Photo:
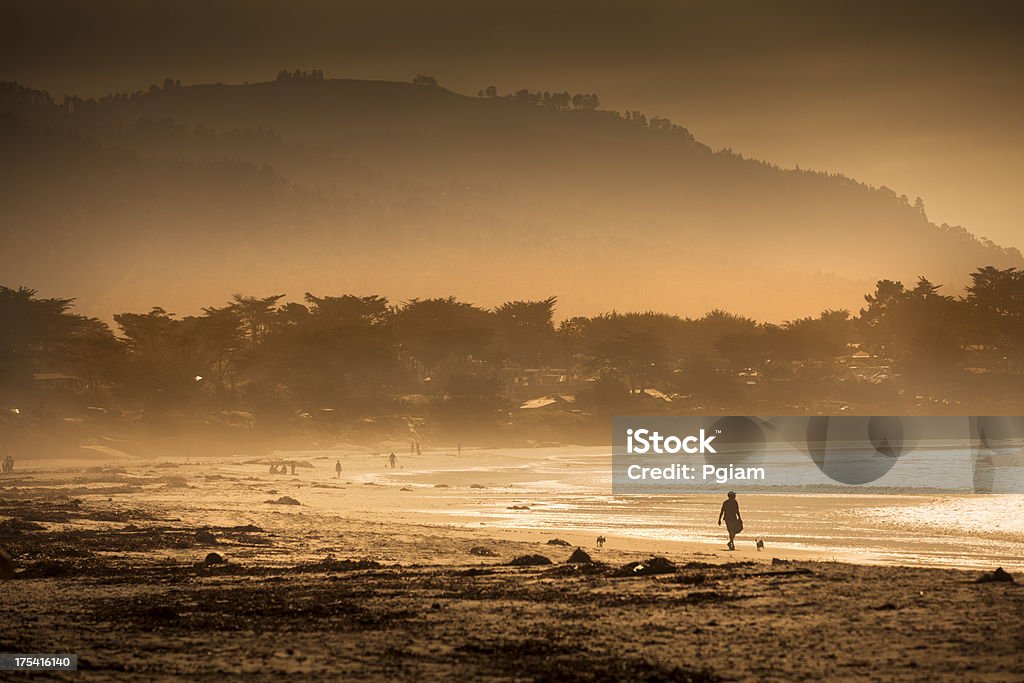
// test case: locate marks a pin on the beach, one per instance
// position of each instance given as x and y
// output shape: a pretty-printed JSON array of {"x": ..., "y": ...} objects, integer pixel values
[{"x": 406, "y": 572}]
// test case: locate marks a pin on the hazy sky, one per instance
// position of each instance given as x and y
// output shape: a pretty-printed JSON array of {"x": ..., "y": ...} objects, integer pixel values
[{"x": 925, "y": 97}]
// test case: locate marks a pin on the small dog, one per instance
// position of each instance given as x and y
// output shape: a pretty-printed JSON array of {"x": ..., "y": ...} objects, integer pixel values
[
  {"x": 601, "y": 541},
  {"x": 760, "y": 545}
]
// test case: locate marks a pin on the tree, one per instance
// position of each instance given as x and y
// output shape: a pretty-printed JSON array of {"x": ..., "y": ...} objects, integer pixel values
[
  {"x": 525, "y": 331},
  {"x": 41, "y": 335},
  {"x": 585, "y": 102},
  {"x": 434, "y": 331},
  {"x": 256, "y": 315}
]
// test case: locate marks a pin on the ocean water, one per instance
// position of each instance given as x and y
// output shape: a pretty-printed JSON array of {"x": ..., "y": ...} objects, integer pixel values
[{"x": 890, "y": 522}]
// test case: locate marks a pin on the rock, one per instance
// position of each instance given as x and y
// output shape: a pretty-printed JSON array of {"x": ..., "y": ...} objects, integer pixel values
[
  {"x": 6, "y": 566},
  {"x": 482, "y": 551},
  {"x": 204, "y": 536},
  {"x": 776, "y": 560},
  {"x": 579, "y": 556},
  {"x": 519, "y": 507},
  {"x": 558, "y": 541},
  {"x": 529, "y": 561},
  {"x": 214, "y": 558},
  {"x": 649, "y": 567},
  {"x": 284, "y": 500},
  {"x": 999, "y": 574}
]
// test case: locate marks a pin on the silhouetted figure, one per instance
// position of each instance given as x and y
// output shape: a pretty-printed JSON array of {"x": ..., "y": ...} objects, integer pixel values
[
  {"x": 601, "y": 540},
  {"x": 392, "y": 460},
  {"x": 760, "y": 545},
  {"x": 291, "y": 466},
  {"x": 418, "y": 451},
  {"x": 273, "y": 469},
  {"x": 733, "y": 522},
  {"x": 8, "y": 464},
  {"x": 337, "y": 469}
]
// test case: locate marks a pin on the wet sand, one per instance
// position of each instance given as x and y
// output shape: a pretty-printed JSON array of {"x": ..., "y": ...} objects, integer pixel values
[{"x": 365, "y": 579}]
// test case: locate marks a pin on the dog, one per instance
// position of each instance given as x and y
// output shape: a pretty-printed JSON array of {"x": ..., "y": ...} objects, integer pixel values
[
  {"x": 601, "y": 541},
  {"x": 760, "y": 545}
]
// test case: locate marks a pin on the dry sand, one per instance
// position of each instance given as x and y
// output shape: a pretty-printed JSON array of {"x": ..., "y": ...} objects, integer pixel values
[{"x": 366, "y": 580}]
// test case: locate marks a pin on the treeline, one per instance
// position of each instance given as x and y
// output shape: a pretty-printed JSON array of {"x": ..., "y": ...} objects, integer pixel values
[{"x": 363, "y": 356}]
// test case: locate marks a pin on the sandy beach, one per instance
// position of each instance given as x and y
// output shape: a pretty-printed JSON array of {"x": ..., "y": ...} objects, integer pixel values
[{"x": 405, "y": 573}]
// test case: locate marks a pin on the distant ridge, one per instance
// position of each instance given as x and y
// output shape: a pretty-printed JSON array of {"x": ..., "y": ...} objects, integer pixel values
[{"x": 396, "y": 187}]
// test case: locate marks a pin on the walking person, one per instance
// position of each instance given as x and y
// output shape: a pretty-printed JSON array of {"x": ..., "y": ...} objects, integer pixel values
[
  {"x": 337, "y": 469},
  {"x": 393, "y": 460},
  {"x": 733, "y": 522}
]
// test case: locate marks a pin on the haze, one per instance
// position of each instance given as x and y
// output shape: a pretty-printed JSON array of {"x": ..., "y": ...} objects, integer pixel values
[{"x": 923, "y": 97}]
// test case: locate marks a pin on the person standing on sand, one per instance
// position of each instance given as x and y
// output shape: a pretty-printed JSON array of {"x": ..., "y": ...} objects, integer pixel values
[
  {"x": 392, "y": 460},
  {"x": 337, "y": 469},
  {"x": 733, "y": 522}
]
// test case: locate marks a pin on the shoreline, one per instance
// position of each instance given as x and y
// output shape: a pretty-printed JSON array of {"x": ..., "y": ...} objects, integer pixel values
[
  {"x": 513, "y": 494},
  {"x": 126, "y": 582}
]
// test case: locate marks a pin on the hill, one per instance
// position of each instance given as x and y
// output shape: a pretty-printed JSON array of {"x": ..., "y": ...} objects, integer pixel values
[{"x": 399, "y": 188}]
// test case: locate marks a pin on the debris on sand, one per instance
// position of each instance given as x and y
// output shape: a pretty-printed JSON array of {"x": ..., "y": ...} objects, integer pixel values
[
  {"x": 15, "y": 525},
  {"x": 529, "y": 561},
  {"x": 649, "y": 567},
  {"x": 776, "y": 560},
  {"x": 441, "y": 486},
  {"x": 405, "y": 488},
  {"x": 6, "y": 566},
  {"x": 999, "y": 574},
  {"x": 519, "y": 507},
  {"x": 329, "y": 564},
  {"x": 477, "y": 486},
  {"x": 205, "y": 536},
  {"x": 284, "y": 500},
  {"x": 54, "y": 569},
  {"x": 558, "y": 541},
  {"x": 214, "y": 558},
  {"x": 579, "y": 556},
  {"x": 481, "y": 551}
]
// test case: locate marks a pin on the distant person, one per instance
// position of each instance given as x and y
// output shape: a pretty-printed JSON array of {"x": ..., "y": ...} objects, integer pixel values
[
  {"x": 337, "y": 469},
  {"x": 733, "y": 522},
  {"x": 418, "y": 451},
  {"x": 601, "y": 540},
  {"x": 8, "y": 464},
  {"x": 393, "y": 460},
  {"x": 291, "y": 466},
  {"x": 273, "y": 468}
]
